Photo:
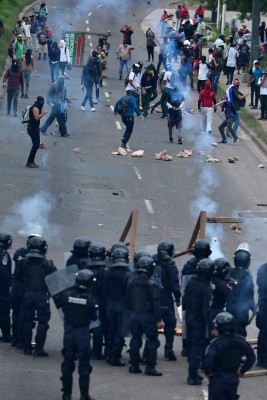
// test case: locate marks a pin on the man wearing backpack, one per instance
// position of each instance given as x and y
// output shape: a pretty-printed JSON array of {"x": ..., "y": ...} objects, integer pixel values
[
  {"x": 33, "y": 129},
  {"x": 238, "y": 100},
  {"x": 126, "y": 106}
]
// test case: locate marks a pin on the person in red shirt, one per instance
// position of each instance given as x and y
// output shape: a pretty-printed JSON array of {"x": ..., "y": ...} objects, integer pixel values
[
  {"x": 162, "y": 24},
  {"x": 184, "y": 12},
  {"x": 127, "y": 32},
  {"x": 13, "y": 79},
  {"x": 206, "y": 101},
  {"x": 200, "y": 11}
]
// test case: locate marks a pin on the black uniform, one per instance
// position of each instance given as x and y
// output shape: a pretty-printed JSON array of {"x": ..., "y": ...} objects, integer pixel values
[
  {"x": 80, "y": 260},
  {"x": 261, "y": 319},
  {"x": 5, "y": 283},
  {"x": 36, "y": 299},
  {"x": 221, "y": 292},
  {"x": 222, "y": 362},
  {"x": 79, "y": 310}
]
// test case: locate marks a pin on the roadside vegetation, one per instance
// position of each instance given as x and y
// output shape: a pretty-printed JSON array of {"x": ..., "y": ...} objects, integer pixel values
[{"x": 9, "y": 11}]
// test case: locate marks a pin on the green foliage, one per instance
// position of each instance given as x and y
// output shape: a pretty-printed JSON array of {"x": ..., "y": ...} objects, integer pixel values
[{"x": 9, "y": 11}]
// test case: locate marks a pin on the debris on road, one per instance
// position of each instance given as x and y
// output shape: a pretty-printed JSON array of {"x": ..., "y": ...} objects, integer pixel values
[
  {"x": 55, "y": 143},
  {"x": 236, "y": 228},
  {"x": 231, "y": 160},
  {"x": 122, "y": 151},
  {"x": 76, "y": 150},
  {"x": 201, "y": 153},
  {"x": 184, "y": 153},
  {"x": 138, "y": 153},
  {"x": 213, "y": 160},
  {"x": 214, "y": 144},
  {"x": 236, "y": 158},
  {"x": 166, "y": 157},
  {"x": 42, "y": 146},
  {"x": 261, "y": 166},
  {"x": 163, "y": 155}
]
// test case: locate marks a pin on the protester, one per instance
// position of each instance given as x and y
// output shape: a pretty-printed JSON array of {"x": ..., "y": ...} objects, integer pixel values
[
  {"x": 150, "y": 44},
  {"x": 27, "y": 66},
  {"x": 231, "y": 63},
  {"x": 184, "y": 12},
  {"x": 64, "y": 56},
  {"x": 243, "y": 58},
  {"x": 123, "y": 53},
  {"x": 178, "y": 16},
  {"x": 34, "y": 31},
  {"x": 90, "y": 76},
  {"x": 203, "y": 73},
  {"x": 163, "y": 18},
  {"x": 27, "y": 32},
  {"x": 127, "y": 32},
  {"x": 163, "y": 54},
  {"x": 230, "y": 114},
  {"x": 263, "y": 95},
  {"x": 237, "y": 99},
  {"x": 256, "y": 75},
  {"x": 18, "y": 48},
  {"x": 175, "y": 104},
  {"x": 206, "y": 102},
  {"x": 54, "y": 58},
  {"x": 13, "y": 79},
  {"x": 129, "y": 108},
  {"x": 59, "y": 102},
  {"x": 35, "y": 115},
  {"x": 148, "y": 82}
]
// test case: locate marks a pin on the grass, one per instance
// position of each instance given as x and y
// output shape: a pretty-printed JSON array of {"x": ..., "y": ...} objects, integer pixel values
[{"x": 9, "y": 11}]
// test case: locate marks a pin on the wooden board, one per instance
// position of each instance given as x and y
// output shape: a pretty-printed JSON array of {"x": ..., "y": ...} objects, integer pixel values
[
  {"x": 225, "y": 220},
  {"x": 251, "y": 374}
]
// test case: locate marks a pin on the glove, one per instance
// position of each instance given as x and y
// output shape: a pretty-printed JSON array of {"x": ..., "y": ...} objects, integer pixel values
[
  {"x": 215, "y": 109},
  {"x": 142, "y": 116}
]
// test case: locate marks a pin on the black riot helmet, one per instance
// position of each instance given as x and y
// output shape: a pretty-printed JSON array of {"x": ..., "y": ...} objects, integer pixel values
[
  {"x": 205, "y": 268},
  {"x": 5, "y": 240},
  {"x": 97, "y": 254},
  {"x": 117, "y": 244},
  {"x": 138, "y": 254},
  {"x": 225, "y": 321},
  {"x": 31, "y": 236},
  {"x": 146, "y": 265},
  {"x": 37, "y": 247},
  {"x": 81, "y": 245},
  {"x": 242, "y": 256},
  {"x": 120, "y": 257},
  {"x": 84, "y": 279},
  {"x": 165, "y": 250},
  {"x": 222, "y": 267},
  {"x": 201, "y": 248}
]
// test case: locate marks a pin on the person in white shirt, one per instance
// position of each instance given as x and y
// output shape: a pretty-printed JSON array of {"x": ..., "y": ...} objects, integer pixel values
[
  {"x": 263, "y": 94},
  {"x": 64, "y": 57},
  {"x": 231, "y": 63},
  {"x": 27, "y": 34},
  {"x": 134, "y": 80},
  {"x": 203, "y": 73}
]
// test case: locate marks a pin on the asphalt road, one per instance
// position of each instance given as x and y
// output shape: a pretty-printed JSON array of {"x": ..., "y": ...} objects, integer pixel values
[{"x": 92, "y": 193}]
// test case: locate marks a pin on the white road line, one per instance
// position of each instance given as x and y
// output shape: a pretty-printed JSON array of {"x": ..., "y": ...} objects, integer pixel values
[
  {"x": 88, "y": 30},
  {"x": 106, "y": 94},
  {"x": 100, "y": 5},
  {"x": 118, "y": 125},
  {"x": 89, "y": 37},
  {"x": 137, "y": 173},
  {"x": 91, "y": 44},
  {"x": 205, "y": 394},
  {"x": 90, "y": 13},
  {"x": 112, "y": 108},
  {"x": 87, "y": 21},
  {"x": 149, "y": 206},
  {"x": 104, "y": 83}
]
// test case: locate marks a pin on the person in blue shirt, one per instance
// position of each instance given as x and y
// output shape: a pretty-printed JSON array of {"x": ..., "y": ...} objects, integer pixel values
[
  {"x": 126, "y": 106},
  {"x": 256, "y": 75},
  {"x": 230, "y": 114}
]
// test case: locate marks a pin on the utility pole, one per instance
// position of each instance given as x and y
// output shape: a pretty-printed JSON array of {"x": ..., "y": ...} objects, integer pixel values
[
  {"x": 218, "y": 14},
  {"x": 223, "y": 17},
  {"x": 255, "y": 43}
]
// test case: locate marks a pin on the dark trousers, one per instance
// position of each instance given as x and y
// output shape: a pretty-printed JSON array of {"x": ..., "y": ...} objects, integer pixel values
[
  {"x": 17, "y": 296},
  {"x": 89, "y": 94},
  {"x": 200, "y": 85},
  {"x": 162, "y": 60},
  {"x": 62, "y": 67},
  {"x": 223, "y": 389},
  {"x": 12, "y": 95},
  {"x": 76, "y": 344},
  {"x": 150, "y": 53},
  {"x": 263, "y": 98},
  {"x": 115, "y": 340},
  {"x": 129, "y": 124},
  {"x": 230, "y": 74},
  {"x": 54, "y": 70},
  {"x": 168, "y": 316},
  {"x": 163, "y": 100},
  {"x": 35, "y": 302},
  {"x": 35, "y": 137},
  {"x": 5, "y": 318},
  {"x": 227, "y": 123},
  {"x": 60, "y": 117},
  {"x": 196, "y": 342},
  {"x": 252, "y": 92},
  {"x": 146, "y": 98}
]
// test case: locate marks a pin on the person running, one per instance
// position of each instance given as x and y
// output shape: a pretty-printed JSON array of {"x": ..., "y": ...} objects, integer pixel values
[
  {"x": 27, "y": 66},
  {"x": 206, "y": 101}
]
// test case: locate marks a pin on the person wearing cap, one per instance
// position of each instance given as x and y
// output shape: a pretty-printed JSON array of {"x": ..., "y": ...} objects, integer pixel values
[
  {"x": 13, "y": 79},
  {"x": 256, "y": 75},
  {"x": 251, "y": 83},
  {"x": 243, "y": 58},
  {"x": 263, "y": 95},
  {"x": 18, "y": 48},
  {"x": 36, "y": 113},
  {"x": 231, "y": 63},
  {"x": 245, "y": 29}
]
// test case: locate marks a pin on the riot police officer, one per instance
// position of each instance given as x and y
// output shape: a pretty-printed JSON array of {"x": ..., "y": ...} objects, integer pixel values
[
  {"x": 197, "y": 305},
  {"x": 261, "y": 319},
  {"x": 170, "y": 292},
  {"x": 34, "y": 269},
  {"x": 222, "y": 288},
  {"x": 241, "y": 299},
  {"x": 143, "y": 304},
  {"x": 80, "y": 252},
  {"x": 114, "y": 246},
  {"x": 201, "y": 249},
  {"x": 5, "y": 283},
  {"x": 96, "y": 264},
  {"x": 115, "y": 284},
  {"x": 224, "y": 361},
  {"x": 17, "y": 294},
  {"x": 79, "y": 310}
]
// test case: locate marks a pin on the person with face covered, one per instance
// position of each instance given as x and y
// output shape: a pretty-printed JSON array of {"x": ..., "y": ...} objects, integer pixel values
[
  {"x": 206, "y": 101},
  {"x": 36, "y": 113},
  {"x": 59, "y": 102},
  {"x": 90, "y": 77},
  {"x": 18, "y": 48},
  {"x": 13, "y": 79},
  {"x": 64, "y": 57},
  {"x": 148, "y": 82}
]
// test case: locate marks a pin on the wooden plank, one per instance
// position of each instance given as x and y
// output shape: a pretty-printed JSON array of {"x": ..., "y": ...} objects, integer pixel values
[
  {"x": 225, "y": 220},
  {"x": 195, "y": 233},
  {"x": 133, "y": 232},
  {"x": 126, "y": 229},
  {"x": 262, "y": 204},
  {"x": 252, "y": 341},
  {"x": 182, "y": 253},
  {"x": 251, "y": 374},
  {"x": 253, "y": 214},
  {"x": 202, "y": 225}
]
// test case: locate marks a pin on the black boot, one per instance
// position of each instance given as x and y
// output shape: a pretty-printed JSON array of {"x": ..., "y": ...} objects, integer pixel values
[
  {"x": 169, "y": 355},
  {"x": 39, "y": 58},
  {"x": 116, "y": 362},
  {"x": 84, "y": 381},
  {"x": 151, "y": 363},
  {"x": 134, "y": 360},
  {"x": 44, "y": 56},
  {"x": 66, "y": 386}
]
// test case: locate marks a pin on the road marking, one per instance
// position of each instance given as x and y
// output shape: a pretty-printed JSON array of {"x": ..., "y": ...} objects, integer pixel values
[
  {"x": 149, "y": 206},
  {"x": 205, "y": 394},
  {"x": 100, "y": 5},
  {"x": 91, "y": 44},
  {"x": 90, "y": 13},
  {"x": 104, "y": 83},
  {"x": 118, "y": 125},
  {"x": 137, "y": 173},
  {"x": 87, "y": 21},
  {"x": 106, "y": 94},
  {"x": 89, "y": 37},
  {"x": 112, "y": 108},
  {"x": 88, "y": 30}
]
